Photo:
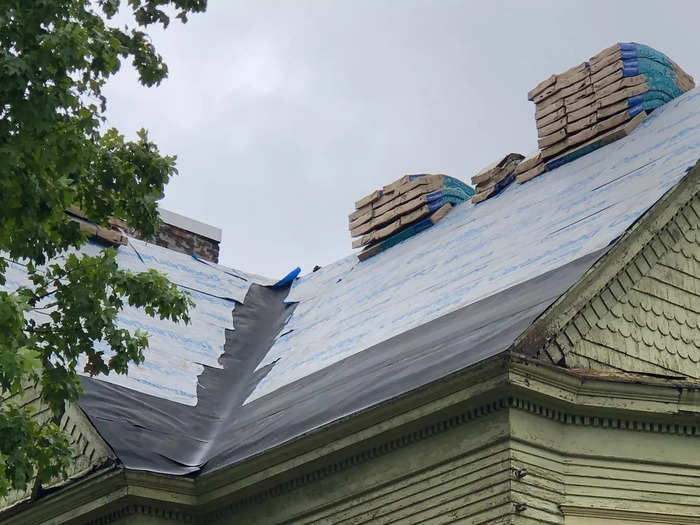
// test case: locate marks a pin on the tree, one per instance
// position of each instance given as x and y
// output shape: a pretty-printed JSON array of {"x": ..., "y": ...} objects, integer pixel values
[{"x": 55, "y": 57}]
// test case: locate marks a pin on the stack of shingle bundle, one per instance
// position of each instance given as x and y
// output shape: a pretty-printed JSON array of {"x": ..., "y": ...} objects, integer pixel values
[
  {"x": 529, "y": 168},
  {"x": 494, "y": 177},
  {"x": 599, "y": 101},
  {"x": 403, "y": 208},
  {"x": 554, "y": 98}
]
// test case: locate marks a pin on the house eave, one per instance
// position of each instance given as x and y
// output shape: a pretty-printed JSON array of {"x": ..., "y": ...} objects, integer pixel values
[
  {"x": 508, "y": 380},
  {"x": 663, "y": 399},
  {"x": 108, "y": 491},
  {"x": 607, "y": 391}
]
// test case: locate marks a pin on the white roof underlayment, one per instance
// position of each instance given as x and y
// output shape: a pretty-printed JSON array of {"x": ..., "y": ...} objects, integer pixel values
[
  {"x": 176, "y": 352},
  {"x": 478, "y": 250},
  {"x": 474, "y": 252}
]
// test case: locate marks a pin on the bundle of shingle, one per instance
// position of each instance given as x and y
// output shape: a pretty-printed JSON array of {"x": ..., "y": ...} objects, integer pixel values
[
  {"x": 403, "y": 208},
  {"x": 494, "y": 177},
  {"x": 599, "y": 101}
]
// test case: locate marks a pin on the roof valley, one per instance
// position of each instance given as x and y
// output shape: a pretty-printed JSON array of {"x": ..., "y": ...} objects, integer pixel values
[{"x": 257, "y": 322}]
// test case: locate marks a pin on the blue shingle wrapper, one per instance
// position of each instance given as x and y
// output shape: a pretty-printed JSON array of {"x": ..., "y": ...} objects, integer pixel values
[
  {"x": 658, "y": 70},
  {"x": 594, "y": 144},
  {"x": 502, "y": 184},
  {"x": 435, "y": 201},
  {"x": 452, "y": 191},
  {"x": 660, "y": 76},
  {"x": 448, "y": 182}
]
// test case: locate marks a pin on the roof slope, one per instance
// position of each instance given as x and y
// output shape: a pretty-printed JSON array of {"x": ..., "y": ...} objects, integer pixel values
[
  {"x": 363, "y": 333},
  {"x": 177, "y": 352},
  {"x": 477, "y": 251}
]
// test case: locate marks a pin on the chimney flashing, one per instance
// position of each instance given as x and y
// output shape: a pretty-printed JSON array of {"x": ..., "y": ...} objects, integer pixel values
[{"x": 190, "y": 225}]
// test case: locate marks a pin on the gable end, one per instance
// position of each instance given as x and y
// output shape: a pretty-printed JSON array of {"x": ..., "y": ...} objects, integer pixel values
[
  {"x": 653, "y": 326},
  {"x": 643, "y": 294}
]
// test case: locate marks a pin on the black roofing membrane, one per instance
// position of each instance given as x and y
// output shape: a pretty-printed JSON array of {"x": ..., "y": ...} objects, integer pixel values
[{"x": 158, "y": 435}]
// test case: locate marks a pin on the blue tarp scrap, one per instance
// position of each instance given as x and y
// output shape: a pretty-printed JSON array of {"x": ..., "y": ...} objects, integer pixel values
[
  {"x": 287, "y": 278},
  {"x": 404, "y": 234}
]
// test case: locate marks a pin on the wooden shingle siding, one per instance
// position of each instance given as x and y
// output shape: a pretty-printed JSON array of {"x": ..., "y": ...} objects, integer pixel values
[
  {"x": 89, "y": 450},
  {"x": 654, "y": 326},
  {"x": 28, "y": 397}
]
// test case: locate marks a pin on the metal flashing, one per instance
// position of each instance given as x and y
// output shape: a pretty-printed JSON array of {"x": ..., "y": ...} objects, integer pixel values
[{"x": 191, "y": 225}]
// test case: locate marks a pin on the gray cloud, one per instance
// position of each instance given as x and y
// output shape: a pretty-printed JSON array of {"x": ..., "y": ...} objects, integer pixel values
[{"x": 283, "y": 113}]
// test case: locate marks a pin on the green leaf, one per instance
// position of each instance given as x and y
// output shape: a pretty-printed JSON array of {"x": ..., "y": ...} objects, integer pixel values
[
  {"x": 55, "y": 58},
  {"x": 30, "y": 359}
]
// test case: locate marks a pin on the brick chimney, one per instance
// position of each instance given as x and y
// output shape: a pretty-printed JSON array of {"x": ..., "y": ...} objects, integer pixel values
[{"x": 186, "y": 235}]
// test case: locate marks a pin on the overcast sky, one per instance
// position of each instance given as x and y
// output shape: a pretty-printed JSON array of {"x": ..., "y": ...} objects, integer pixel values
[{"x": 283, "y": 113}]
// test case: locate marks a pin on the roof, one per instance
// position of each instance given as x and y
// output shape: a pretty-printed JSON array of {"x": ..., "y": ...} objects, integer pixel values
[
  {"x": 177, "y": 353},
  {"x": 477, "y": 251},
  {"x": 355, "y": 334},
  {"x": 156, "y": 434}
]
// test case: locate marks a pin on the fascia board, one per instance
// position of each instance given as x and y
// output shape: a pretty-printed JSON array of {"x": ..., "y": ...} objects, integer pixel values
[
  {"x": 631, "y": 393},
  {"x": 103, "y": 491},
  {"x": 71, "y": 502}
]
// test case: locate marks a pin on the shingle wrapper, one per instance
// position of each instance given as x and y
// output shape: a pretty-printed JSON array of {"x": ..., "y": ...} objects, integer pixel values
[
  {"x": 491, "y": 180},
  {"x": 402, "y": 209},
  {"x": 598, "y": 102}
]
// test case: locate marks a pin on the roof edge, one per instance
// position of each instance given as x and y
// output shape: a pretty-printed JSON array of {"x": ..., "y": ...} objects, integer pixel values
[{"x": 499, "y": 378}]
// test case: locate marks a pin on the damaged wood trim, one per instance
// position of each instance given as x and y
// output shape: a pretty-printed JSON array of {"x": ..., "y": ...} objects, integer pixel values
[{"x": 112, "y": 236}]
